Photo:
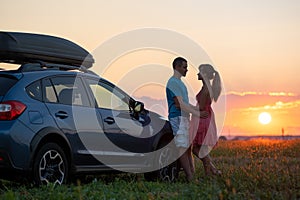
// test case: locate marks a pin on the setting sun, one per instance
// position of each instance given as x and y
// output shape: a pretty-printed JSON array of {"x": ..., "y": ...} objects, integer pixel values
[{"x": 264, "y": 118}]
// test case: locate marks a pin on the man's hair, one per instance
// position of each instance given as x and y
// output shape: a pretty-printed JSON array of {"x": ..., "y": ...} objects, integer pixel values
[{"x": 178, "y": 61}]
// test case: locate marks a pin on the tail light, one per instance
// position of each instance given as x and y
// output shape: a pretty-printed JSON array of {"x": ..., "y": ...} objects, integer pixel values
[{"x": 10, "y": 110}]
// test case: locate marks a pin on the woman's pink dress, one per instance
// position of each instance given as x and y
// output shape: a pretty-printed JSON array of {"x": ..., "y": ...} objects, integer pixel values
[{"x": 203, "y": 131}]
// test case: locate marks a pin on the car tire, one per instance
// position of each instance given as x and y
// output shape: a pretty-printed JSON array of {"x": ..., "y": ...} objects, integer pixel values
[
  {"x": 167, "y": 173},
  {"x": 50, "y": 165}
]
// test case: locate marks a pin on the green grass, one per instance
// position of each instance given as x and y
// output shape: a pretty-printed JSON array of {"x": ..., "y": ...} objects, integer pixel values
[{"x": 255, "y": 169}]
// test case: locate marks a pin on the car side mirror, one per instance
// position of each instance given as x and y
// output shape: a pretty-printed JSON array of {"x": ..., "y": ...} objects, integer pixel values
[{"x": 138, "y": 107}]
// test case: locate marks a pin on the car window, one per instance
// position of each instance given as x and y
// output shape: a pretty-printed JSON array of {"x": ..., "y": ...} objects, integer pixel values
[
  {"x": 66, "y": 90},
  {"x": 108, "y": 97},
  {"x": 50, "y": 94},
  {"x": 34, "y": 90}
]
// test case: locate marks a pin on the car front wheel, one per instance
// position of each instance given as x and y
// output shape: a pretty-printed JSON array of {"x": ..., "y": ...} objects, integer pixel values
[
  {"x": 50, "y": 165},
  {"x": 168, "y": 168}
]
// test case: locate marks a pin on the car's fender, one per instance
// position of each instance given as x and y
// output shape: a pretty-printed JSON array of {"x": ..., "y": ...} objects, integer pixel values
[
  {"x": 42, "y": 137},
  {"x": 165, "y": 134}
]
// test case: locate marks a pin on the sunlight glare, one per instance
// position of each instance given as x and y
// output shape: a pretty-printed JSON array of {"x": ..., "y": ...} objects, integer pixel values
[{"x": 264, "y": 118}]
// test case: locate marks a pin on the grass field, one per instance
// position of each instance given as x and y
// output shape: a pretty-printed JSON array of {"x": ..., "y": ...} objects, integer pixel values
[{"x": 255, "y": 169}]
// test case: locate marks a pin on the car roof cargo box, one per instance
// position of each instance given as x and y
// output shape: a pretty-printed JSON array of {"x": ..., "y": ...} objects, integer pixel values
[{"x": 16, "y": 47}]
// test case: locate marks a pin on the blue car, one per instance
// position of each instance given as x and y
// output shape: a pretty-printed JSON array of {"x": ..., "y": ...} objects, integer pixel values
[{"x": 59, "y": 119}]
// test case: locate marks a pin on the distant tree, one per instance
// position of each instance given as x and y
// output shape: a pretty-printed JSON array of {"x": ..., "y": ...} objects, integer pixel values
[{"x": 222, "y": 138}]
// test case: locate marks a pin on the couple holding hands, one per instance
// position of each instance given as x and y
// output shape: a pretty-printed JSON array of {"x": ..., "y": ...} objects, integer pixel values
[{"x": 198, "y": 135}]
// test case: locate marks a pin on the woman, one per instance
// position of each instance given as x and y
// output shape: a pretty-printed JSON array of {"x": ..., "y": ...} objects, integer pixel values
[{"x": 203, "y": 131}]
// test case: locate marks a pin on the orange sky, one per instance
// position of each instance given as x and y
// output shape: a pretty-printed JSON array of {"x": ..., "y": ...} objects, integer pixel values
[
  {"x": 243, "y": 111},
  {"x": 253, "y": 44}
]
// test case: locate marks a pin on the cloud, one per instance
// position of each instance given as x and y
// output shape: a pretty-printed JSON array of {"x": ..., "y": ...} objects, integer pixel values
[
  {"x": 266, "y": 100},
  {"x": 277, "y": 106},
  {"x": 242, "y": 110},
  {"x": 242, "y": 101},
  {"x": 289, "y": 94}
]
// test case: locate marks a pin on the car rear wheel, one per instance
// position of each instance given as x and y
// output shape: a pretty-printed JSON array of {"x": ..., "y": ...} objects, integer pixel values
[{"x": 50, "y": 165}]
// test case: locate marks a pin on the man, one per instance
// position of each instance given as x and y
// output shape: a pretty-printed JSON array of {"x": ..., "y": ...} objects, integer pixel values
[{"x": 179, "y": 110}]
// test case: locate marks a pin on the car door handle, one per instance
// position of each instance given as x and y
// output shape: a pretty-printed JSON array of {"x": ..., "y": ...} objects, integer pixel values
[
  {"x": 61, "y": 114},
  {"x": 109, "y": 120}
]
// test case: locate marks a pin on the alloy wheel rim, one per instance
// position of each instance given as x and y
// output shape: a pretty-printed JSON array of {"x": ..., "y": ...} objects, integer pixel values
[
  {"x": 52, "y": 168},
  {"x": 166, "y": 172}
]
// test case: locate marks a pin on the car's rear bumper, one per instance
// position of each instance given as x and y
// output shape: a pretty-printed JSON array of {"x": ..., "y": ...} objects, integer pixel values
[
  {"x": 14, "y": 145},
  {"x": 5, "y": 161}
]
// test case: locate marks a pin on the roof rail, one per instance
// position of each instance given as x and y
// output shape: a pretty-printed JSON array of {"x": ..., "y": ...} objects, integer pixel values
[{"x": 40, "y": 65}]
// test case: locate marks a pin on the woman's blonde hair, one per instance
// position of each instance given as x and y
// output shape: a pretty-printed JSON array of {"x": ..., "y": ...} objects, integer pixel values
[{"x": 214, "y": 88}]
